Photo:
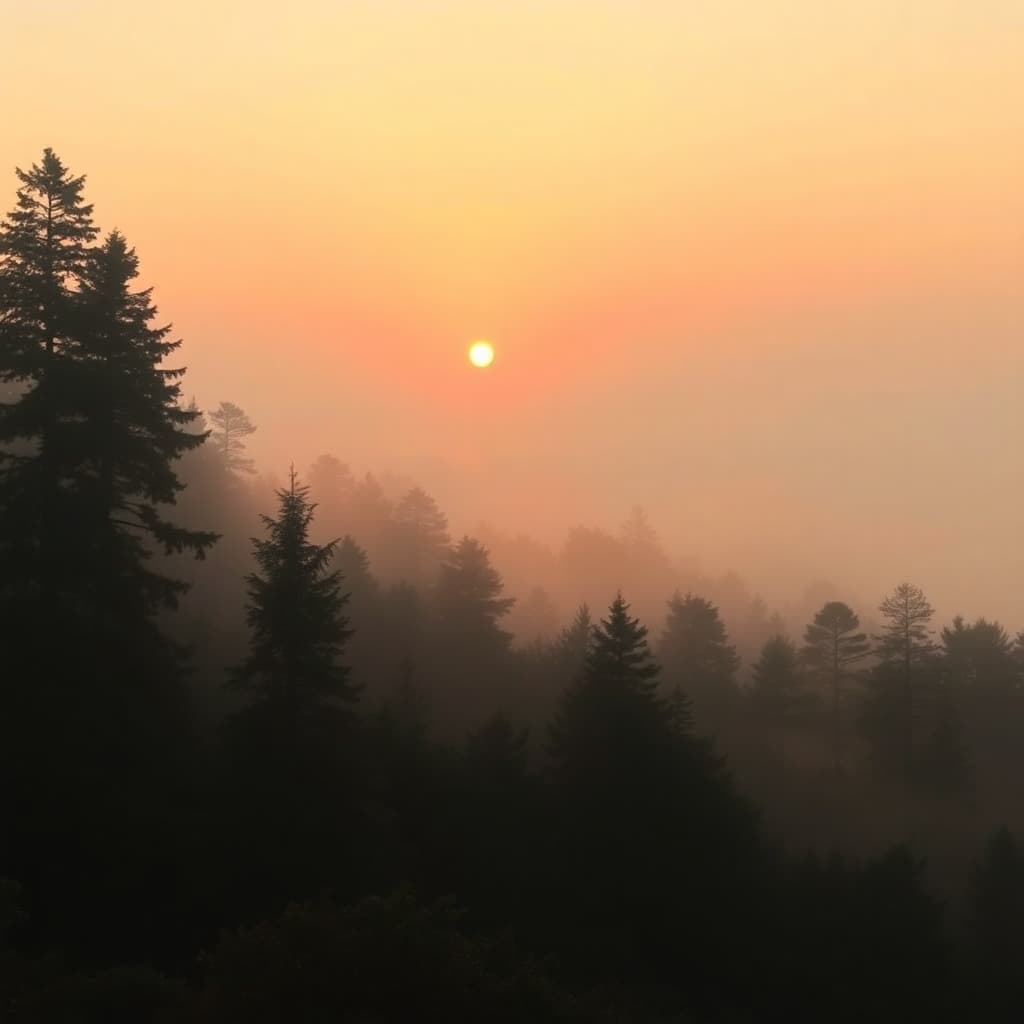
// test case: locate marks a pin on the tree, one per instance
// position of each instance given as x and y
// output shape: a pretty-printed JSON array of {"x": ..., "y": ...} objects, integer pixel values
[
  {"x": 572, "y": 645},
  {"x": 231, "y": 426},
  {"x": 698, "y": 657},
  {"x": 647, "y": 570},
  {"x": 778, "y": 690},
  {"x": 996, "y": 916},
  {"x": 832, "y": 645},
  {"x": 904, "y": 648},
  {"x": 979, "y": 657},
  {"x": 421, "y": 530},
  {"x": 331, "y": 483},
  {"x": 132, "y": 431},
  {"x": 296, "y": 617},
  {"x": 370, "y": 515},
  {"x": 469, "y": 601},
  {"x": 613, "y": 702},
  {"x": 44, "y": 244},
  {"x": 980, "y": 687},
  {"x": 467, "y": 650},
  {"x": 648, "y": 823}
]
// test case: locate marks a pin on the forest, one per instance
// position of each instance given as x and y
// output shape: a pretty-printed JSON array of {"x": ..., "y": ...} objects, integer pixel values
[{"x": 277, "y": 746}]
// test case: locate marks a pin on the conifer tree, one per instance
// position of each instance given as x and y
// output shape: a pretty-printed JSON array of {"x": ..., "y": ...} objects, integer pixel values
[
  {"x": 296, "y": 617},
  {"x": 231, "y": 426},
  {"x": 132, "y": 431},
  {"x": 978, "y": 657},
  {"x": 832, "y": 645},
  {"x": 572, "y": 645},
  {"x": 331, "y": 484},
  {"x": 470, "y": 603},
  {"x": 44, "y": 243},
  {"x": 698, "y": 657},
  {"x": 422, "y": 537},
  {"x": 645, "y": 808},
  {"x": 778, "y": 692},
  {"x": 904, "y": 648},
  {"x": 614, "y": 702}
]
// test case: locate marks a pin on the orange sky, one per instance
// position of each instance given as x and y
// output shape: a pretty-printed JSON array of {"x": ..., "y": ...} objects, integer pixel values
[{"x": 758, "y": 266}]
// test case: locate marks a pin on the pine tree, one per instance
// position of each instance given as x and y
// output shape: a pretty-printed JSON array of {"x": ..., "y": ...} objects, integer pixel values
[
  {"x": 572, "y": 645},
  {"x": 421, "y": 534},
  {"x": 698, "y": 657},
  {"x": 370, "y": 521},
  {"x": 904, "y": 648},
  {"x": 231, "y": 426},
  {"x": 132, "y": 431},
  {"x": 778, "y": 690},
  {"x": 296, "y": 618},
  {"x": 832, "y": 645},
  {"x": 331, "y": 483},
  {"x": 644, "y": 808},
  {"x": 44, "y": 243},
  {"x": 979, "y": 657},
  {"x": 614, "y": 703},
  {"x": 469, "y": 601}
]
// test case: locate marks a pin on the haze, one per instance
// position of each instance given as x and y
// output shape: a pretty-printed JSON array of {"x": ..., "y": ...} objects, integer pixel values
[{"x": 755, "y": 267}]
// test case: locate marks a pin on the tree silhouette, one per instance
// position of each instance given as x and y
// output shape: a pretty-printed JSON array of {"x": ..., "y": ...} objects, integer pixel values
[
  {"x": 979, "y": 657},
  {"x": 644, "y": 812},
  {"x": 132, "y": 431},
  {"x": 296, "y": 617},
  {"x": 616, "y": 692},
  {"x": 469, "y": 600},
  {"x": 778, "y": 692},
  {"x": 698, "y": 657},
  {"x": 231, "y": 426},
  {"x": 331, "y": 483},
  {"x": 903, "y": 648},
  {"x": 832, "y": 645},
  {"x": 44, "y": 243},
  {"x": 421, "y": 534},
  {"x": 572, "y": 645}
]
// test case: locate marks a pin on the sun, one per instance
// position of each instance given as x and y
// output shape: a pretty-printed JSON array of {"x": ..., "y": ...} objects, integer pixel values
[{"x": 481, "y": 354}]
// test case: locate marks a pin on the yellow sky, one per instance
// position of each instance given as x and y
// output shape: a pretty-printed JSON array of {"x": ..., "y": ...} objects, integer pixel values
[{"x": 732, "y": 224}]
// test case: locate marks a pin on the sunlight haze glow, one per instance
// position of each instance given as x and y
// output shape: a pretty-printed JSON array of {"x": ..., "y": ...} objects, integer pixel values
[{"x": 763, "y": 263}]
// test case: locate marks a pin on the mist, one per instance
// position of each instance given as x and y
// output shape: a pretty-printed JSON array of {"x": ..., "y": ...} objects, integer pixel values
[{"x": 667, "y": 666}]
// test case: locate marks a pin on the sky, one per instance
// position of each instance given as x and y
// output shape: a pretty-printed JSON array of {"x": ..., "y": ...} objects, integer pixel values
[{"x": 756, "y": 266}]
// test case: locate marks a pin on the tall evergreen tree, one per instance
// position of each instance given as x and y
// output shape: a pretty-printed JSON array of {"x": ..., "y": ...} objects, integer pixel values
[
  {"x": 778, "y": 692},
  {"x": 296, "y": 617},
  {"x": 698, "y": 657},
  {"x": 132, "y": 431},
  {"x": 572, "y": 645},
  {"x": 645, "y": 810},
  {"x": 613, "y": 702},
  {"x": 44, "y": 243},
  {"x": 832, "y": 645},
  {"x": 979, "y": 657},
  {"x": 904, "y": 648},
  {"x": 421, "y": 535},
  {"x": 231, "y": 426},
  {"x": 331, "y": 483},
  {"x": 470, "y": 601}
]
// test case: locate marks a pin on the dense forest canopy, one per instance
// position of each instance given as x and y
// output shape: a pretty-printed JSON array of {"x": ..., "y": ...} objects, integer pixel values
[{"x": 287, "y": 746}]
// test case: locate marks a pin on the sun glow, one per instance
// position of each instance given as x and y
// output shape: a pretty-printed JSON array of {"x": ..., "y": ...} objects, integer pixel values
[{"x": 481, "y": 354}]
